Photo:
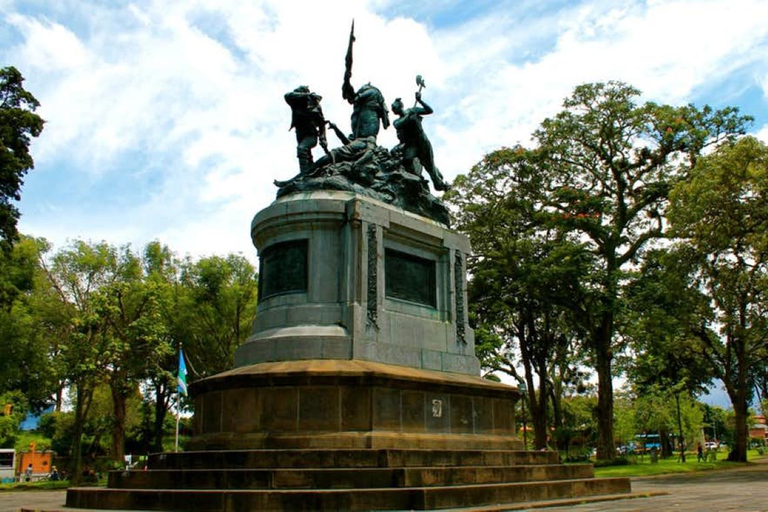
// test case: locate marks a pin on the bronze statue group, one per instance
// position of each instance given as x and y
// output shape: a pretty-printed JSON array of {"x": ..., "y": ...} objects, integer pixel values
[{"x": 363, "y": 161}]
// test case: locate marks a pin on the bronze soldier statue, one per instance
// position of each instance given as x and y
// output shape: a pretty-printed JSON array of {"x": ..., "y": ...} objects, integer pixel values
[
  {"x": 368, "y": 105},
  {"x": 307, "y": 118},
  {"x": 414, "y": 143}
]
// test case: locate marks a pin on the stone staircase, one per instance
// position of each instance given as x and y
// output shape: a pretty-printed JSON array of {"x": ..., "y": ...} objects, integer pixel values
[{"x": 344, "y": 480}]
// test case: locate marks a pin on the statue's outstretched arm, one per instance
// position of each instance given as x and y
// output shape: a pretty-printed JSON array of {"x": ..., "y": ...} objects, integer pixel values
[{"x": 426, "y": 109}]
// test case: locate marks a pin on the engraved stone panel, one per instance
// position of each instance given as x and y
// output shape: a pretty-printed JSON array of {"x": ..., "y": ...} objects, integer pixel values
[
  {"x": 283, "y": 268},
  {"x": 411, "y": 278}
]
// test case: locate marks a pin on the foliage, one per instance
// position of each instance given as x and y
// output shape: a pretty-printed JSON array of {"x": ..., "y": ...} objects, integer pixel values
[
  {"x": 523, "y": 275},
  {"x": 25, "y": 438},
  {"x": 9, "y": 423},
  {"x": 24, "y": 346},
  {"x": 58, "y": 427},
  {"x": 219, "y": 306},
  {"x": 721, "y": 217},
  {"x": 18, "y": 123},
  {"x": 615, "y": 162},
  {"x": 601, "y": 173},
  {"x": 577, "y": 432}
]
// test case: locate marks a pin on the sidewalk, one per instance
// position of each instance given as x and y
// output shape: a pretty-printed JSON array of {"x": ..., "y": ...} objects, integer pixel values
[{"x": 743, "y": 489}]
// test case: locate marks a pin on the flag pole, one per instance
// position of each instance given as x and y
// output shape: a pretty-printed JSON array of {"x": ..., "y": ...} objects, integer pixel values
[
  {"x": 181, "y": 387},
  {"x": 178, "y": 418}
]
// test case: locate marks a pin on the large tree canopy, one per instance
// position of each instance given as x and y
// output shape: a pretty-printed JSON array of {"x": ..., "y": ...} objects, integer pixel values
[
  {"x": 610, "y": 163},
  {"x": 18, "y": 123},
  {"x": 524, "y": 273},
  {"x": 721, "y": 215}
]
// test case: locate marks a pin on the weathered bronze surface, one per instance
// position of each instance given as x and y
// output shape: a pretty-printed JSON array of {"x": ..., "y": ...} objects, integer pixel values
[
  {"x": 408, "y": 277},
  {"x": 283, "y": 268},
  {"x": 360, "y": 165}
]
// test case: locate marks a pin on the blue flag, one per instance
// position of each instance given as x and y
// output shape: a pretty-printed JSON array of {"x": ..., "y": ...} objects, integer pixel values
[{"x": 182, "y": 379}]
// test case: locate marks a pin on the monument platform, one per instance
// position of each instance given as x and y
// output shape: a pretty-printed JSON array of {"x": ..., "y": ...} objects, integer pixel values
[
  {"x": 358, "y": 389},
  {"x": 344, "y": 480}
]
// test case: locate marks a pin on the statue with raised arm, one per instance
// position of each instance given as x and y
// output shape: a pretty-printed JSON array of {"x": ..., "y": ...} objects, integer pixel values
[
  {"x": 308, "y": 121},
  {"x": 368, "y": 105},
  {"x": 414, "y": 143},
  {"x": 360, "y": 165}
]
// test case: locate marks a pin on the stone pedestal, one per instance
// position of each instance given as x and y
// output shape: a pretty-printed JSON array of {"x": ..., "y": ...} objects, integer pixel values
[{"x": 347, "y": 277}]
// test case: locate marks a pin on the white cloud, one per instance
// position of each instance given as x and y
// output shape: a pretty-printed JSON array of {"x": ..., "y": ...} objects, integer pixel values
[{"x": 186, "y": 97}]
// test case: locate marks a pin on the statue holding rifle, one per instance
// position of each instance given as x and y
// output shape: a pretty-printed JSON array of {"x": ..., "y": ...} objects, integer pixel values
[{"x": 368, "y": 103}]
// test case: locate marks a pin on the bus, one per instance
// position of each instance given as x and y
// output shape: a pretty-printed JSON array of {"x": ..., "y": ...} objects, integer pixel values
[
  {"x": 7, "y": 465},
  {"x": 647, "y": 442}
]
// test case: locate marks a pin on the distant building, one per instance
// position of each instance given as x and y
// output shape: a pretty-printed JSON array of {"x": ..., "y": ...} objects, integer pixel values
[{"x": 759, "y": 430}]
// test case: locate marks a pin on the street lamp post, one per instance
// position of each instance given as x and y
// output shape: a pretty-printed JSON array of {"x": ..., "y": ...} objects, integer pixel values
[{"x": 523, "y": 389}]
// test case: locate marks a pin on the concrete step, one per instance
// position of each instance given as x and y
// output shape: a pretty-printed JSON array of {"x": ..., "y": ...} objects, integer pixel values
[
  {"x": 409, "y": 498},
  {"x": 350, "y": 478},
  {"x": 345, "y": 458}
]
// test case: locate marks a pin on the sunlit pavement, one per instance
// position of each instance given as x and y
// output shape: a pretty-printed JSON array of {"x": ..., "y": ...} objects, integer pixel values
[{"x": 744, "y": 489}]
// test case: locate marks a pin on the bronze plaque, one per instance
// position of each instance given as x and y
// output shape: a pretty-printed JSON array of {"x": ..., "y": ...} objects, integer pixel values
[
  {"x": 283, "y": 268},
  {"x": 411, "y": 278}
]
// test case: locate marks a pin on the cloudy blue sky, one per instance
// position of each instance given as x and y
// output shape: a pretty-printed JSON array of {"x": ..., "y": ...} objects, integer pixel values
[{"x": 165, "y": 118}]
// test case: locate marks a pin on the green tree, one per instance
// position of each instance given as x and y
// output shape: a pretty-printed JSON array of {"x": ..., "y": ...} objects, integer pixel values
[
  {"x": 136, "y": 340},
  {"x": 613, "y": 162},
  {"x": 219, "y": 308},
  {"x": 579, "y": 426},
  {"x": 18, "y": 123},
  {"x": 25, "y": 350},
  {"x": 163, "y": 270},
  {"x": 13, "y": 409},
  {"x": 80, "y": 274},
  {"x": 721, "y": 217},
  {"x": 523, "y": 275},
  {"x": 662, "y": 317},
  {"x": 608, "y": 164}
]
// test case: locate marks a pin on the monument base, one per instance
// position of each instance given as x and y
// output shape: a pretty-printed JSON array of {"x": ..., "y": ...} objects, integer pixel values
[
  {"x": 347, "y": 435},
  {"x": 358, "y": 388},
  {"x": 351, "y": 404}
]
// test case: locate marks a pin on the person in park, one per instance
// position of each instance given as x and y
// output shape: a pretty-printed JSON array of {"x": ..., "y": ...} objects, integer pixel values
[
  {"x": 414, "y": 143},
  {"x": 308, "y": 121}
]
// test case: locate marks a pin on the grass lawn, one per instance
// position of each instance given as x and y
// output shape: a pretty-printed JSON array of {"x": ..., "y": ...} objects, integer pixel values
[
  {"x": 35, "y": 486},
  {"x": 644, "y": 467}
]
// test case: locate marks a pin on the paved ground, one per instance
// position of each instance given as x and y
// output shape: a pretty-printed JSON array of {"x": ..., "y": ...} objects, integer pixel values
[
  {"x": 13, "y": 501},
  {"x": 743, "y": 490}
]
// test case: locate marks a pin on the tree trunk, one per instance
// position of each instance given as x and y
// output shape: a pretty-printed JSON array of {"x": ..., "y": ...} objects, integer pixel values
[
  {"x": 82, "y": 404},
  {"x": 161, "y": 403},
  {"x": 118, "y": 426},
  {"x": 555, "y": 394},
  {"x": 606, "y": 447},
  {"x": 666, "y": 443},
  {"x": 681, "y": 441},
  {"x": 738, "y": 451},
  {"x": 740, "y": 392},
  {"x": 538, "y": 418}
]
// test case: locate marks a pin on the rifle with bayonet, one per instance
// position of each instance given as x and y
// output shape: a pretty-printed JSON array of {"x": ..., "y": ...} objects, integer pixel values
[{"x": 347, "y": 91}]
